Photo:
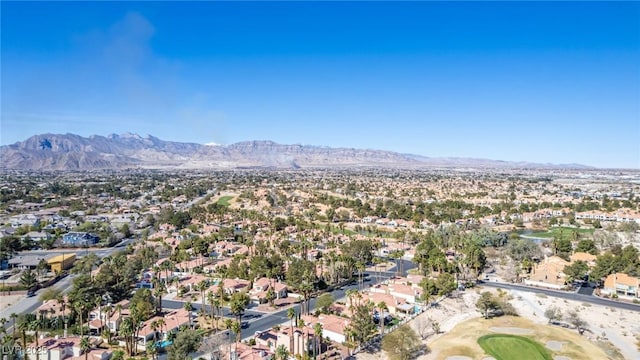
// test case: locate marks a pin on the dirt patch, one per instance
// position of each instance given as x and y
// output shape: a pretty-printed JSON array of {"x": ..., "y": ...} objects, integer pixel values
[
  {"x": 511, "y": 330},
  {"x": 8, "y": 300},
  {"x": 555, "y": 345},
  {"x": 605, "y": 324}
]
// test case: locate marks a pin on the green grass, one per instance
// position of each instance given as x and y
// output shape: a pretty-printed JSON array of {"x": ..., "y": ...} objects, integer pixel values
[
  {"x": 345, "y": 231},
  {"x": 224, "y": 200},
  {"x": 562, "y": 233},
  {"x": 511, "y": 347}
]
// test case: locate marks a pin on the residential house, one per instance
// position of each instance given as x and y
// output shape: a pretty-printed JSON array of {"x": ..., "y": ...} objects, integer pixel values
[
  {"x": 333, "y": 327},
  {"x": 36, "y": 236},
  {"x": 232, "y": 286},
  {"x": 261, "y": 286},
  {"x": 30, "y": 220},
  {"x": 243, "y": 351},
  {"x": 66, "y": 348},
  {"x": 80, "y": 239},
  {"x": 25, "y": 260},
  {"x": 52, "y": 308},
  {"x": 116, "y": 313},
  {"x": 175, "y": 319},
  {"x": 548, "y": 273},
  {"x": 583, "y": 256},
  {"x": 621, "y": 284},
  {"x": 302, "y": 339},
  {"x": 395, "y": 305}
]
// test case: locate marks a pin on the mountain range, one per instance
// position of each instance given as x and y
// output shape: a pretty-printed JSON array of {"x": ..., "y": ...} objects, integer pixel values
[{"x": 74, "y": 152}]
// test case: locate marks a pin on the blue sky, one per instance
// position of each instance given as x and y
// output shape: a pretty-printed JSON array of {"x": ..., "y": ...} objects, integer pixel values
[{"x": 536, "y": 81}]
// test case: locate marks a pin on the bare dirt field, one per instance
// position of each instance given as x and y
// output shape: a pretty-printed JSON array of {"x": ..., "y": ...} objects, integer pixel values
[{"x": 8, "y": 300}]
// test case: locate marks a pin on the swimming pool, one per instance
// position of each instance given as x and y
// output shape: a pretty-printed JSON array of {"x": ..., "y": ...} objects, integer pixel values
[{"x": 164, "y": 343}]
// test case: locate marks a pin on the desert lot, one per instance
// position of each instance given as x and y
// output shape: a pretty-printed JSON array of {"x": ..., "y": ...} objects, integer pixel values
[
  {"x": 610, "y": 332},
  {"x": 462, "y": 341}
]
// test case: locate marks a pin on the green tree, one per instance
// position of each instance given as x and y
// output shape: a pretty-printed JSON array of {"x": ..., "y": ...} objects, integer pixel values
[
  {"x": 291, "y": 314},
  {"x": 189, "y": 308},
  {"x": 486, "y": 304},
  {"x": 50, "y": 293},
  {"x": 317, "y": 332},
  {"x": 270, "y": 295},
  {"x": 28, "y": 279},
  {"x": 323, "y": 302},
  {"x": 561, "y": 245},
  {"x": 445, "y": 284},
  {"x": 185, "y": 343},
  {"x": 360, "y": 250},
  {"x": 587, "y": 246},
  {"x": 282, "y": 353},
  {"x": 553, "y": 313},
  {"x": 576, "y": 270},
  {"x": 520, "y": 249},
  {"x": 236, "y": 327},
  {"x": 85, "y": 346},
  {"x": 401, "y": 344},
  {"x": 361, "y": 328},
  {"x": 238, "y": 304}
]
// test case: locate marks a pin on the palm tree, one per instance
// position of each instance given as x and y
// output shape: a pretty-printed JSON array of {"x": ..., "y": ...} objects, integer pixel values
[
  {"x": 317, "y": 331},
  {"x": 187, "y": 306},
  {"x": 98, "y": 303},
  {"x": 350, "y": 293},
  {"x": 236, "y": 327},
  {"x": 152, "y": 349},
  {"x": 382, "y": 307},
  {"x": 154, "y": 326},
  {"x": 108, "y": 334},
  {"x": 161, "y": 324},
  {"x": 282, "y": 353},
  {"x": 85, "y": 346},
  {"x": 34, "y": 326},
  {"x": 14, "y": 317},
  {"x": 158, "y": 291},
  {"x": 291, "y": 314},
  {"x": 238, "y": 304},
  {"x": 211, "y": 300},
  {"x": 79, "y": 308},
  {"x": 23, "y": 326},
  {"x": 126, "y": 331},
  {"x": 202, "y": 286},
  {"x": 301, "y": 346}
]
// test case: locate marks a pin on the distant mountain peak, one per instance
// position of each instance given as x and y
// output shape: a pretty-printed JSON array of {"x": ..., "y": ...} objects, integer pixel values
[
  {"x": 74, "y": 152},
  {"x": 128, "y": 135}
]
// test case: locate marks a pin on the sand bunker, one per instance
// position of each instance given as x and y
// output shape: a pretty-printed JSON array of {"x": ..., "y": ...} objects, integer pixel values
[
  {"x": 561, "y": 358},
  {"x": 489, "y": 358},
  {"x": 511, "y": 330},
  {"x": 458, "y": 357},
  {"x": 555, "y": 345}
]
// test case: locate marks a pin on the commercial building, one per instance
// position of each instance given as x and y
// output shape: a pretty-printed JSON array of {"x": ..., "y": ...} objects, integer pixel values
[{"x": 61, "y": 262}]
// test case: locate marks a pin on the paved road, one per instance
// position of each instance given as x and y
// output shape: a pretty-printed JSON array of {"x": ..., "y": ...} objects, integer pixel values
[
  {"x": 100, "y": 252},
  {"x": 30, "y": 304},
  {"x": 260, "y": 321},
  {"x": 566, "y": 295}
]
